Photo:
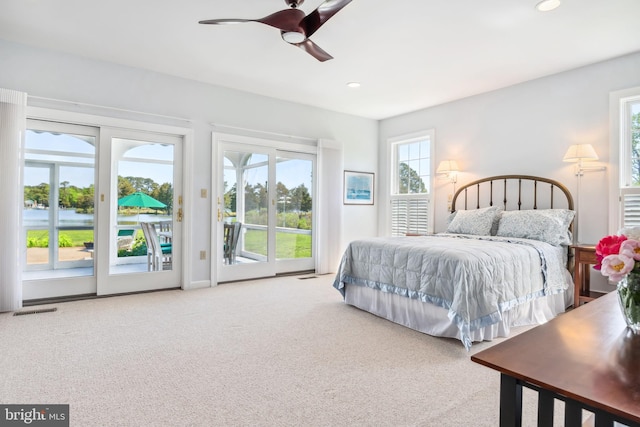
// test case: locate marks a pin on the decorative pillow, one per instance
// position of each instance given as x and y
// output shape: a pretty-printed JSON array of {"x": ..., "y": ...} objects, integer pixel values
[
  {"x": 476, "y": 221},
  {"x": 546, "y": 225}
]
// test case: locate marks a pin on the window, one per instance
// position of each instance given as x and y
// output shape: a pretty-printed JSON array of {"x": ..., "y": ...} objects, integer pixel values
[
  {"x": 630, "y": 161},
  {"x": 411, "y": 184}
]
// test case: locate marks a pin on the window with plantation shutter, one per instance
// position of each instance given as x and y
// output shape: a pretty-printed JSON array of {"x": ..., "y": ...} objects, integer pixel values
[
  {"x": 630, "y": 161},
  {"x": 631, "y": 205},
  {"x": 409, "y": 216},
  {"x": 410, "y": 197}
]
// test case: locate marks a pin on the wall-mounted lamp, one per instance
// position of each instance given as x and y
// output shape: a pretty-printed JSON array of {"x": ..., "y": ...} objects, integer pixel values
[
  {"x": 450, "y": 169},
  {"x": 581, "y": 153}
]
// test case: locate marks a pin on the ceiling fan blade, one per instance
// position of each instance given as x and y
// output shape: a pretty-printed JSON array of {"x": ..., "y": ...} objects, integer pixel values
[
  {"x": 286, "y": 20},
  {"x": 314, "y": 50},
  {"x": 224, "y": 21},
  {"x": 318, "y": 17}
]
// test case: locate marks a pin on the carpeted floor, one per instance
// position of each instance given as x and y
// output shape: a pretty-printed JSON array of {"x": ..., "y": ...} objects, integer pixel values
[{"x": 274, "y": 352}]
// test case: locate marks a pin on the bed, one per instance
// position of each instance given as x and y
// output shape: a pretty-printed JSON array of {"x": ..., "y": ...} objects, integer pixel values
[{"x": 503, "y": 261}]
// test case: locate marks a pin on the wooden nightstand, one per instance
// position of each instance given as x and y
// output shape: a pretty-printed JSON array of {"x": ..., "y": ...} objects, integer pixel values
[{"x": 584, "y": 256}]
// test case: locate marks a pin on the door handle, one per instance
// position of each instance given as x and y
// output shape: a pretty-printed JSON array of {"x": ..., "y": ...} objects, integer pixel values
[
  {"x": 179, "y": 214},
  {"x": 219, "y": 215}
]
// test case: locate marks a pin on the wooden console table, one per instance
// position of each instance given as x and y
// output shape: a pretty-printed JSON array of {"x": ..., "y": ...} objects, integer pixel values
[{"x": 585, "y": 357}]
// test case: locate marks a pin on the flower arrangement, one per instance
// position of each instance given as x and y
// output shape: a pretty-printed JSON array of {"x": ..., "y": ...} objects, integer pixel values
[
  {"x": 618, "y": 259},
  {"x": 616, "y": 256}
]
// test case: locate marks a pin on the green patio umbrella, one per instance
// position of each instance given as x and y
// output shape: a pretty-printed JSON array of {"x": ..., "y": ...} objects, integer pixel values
[{"x": 140, "y": 200}]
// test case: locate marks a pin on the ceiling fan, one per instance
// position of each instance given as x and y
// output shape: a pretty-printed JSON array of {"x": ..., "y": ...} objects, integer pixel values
[{"x": 296, "y": 27}]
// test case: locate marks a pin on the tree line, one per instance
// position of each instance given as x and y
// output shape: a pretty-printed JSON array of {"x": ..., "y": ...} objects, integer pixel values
[
  {"x": 296, "y": 199},
  {"x": 82, "y": 199}
]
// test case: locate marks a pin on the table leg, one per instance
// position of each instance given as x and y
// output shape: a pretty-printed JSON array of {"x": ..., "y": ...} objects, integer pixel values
[
  {"x": 572, "y": 414},
  {"x": 510, "y": 402},
  {"x": 546, "y": 403},
  {"x": 577, "y": 284}
]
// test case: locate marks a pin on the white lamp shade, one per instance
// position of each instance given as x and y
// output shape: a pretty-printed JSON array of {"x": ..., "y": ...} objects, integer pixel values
[
  {"x": 447, "y": 166},
  {"x": 579, "y": 152}
]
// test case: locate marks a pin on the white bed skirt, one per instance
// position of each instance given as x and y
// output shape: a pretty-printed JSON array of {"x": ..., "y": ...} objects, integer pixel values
[{"x": 433, "y": 320}]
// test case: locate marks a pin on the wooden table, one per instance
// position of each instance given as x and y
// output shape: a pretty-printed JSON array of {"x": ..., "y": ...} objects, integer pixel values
[
  {"x": 585, "y": 357},
  {"x": 584, "y": 257}
]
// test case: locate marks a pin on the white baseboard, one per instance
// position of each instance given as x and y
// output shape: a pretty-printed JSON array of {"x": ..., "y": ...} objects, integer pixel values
[{"x": 198, "y": 285}]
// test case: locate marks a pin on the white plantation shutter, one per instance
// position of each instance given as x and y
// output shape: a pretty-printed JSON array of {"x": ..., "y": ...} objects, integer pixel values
[
  {"x": 630, "y": 198},
  {"x": 409, "y": 216}
]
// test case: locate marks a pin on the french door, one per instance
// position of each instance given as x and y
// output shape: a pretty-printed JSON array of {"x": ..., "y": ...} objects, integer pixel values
[
  {"x": 142, "y": 186},
  {"x": 80, "y": 239},
  {"x": 264, "y": 210}
]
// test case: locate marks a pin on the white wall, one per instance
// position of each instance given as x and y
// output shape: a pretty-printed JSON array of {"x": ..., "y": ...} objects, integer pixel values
[
  {"x": 526, "y": 129},
  {"x": 522, "y": 129},
  {"x": 47, "y": 74}
]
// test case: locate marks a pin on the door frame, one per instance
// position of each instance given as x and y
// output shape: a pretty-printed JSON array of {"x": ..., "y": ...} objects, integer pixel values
[
  {"x": 270, "y": 144},
  {"x": 182, "y": 130}
]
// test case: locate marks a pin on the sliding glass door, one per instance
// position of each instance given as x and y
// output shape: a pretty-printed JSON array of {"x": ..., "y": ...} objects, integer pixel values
[
  {"x": 264, "y": 211},
  {"x": 246, "y": 222},
  {"x": 294, "y": 211},
  {"x": 88, "y": 191},
  {"x": 58, "y": 212}
]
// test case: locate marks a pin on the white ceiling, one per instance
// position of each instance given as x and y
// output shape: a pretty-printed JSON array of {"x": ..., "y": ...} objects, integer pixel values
[{"x": 408, "y": 54}]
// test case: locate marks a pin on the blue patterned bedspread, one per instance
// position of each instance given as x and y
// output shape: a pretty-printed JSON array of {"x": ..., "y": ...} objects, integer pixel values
[{"x": 475, "y": 278}]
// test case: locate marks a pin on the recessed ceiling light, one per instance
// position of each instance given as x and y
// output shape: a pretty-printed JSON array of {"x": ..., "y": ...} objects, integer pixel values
[
  {"x": 353, "y": 84},
  {"x": 547, "y": 5}
]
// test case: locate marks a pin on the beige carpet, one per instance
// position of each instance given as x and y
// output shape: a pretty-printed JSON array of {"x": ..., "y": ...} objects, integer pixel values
[{"x": 275, "y": 352}]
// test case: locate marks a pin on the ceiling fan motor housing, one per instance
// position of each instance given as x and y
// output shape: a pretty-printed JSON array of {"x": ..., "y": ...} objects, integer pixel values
[{"x": 294, "y": 3}]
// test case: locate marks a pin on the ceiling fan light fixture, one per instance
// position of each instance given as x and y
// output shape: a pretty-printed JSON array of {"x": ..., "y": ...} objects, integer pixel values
[
  {"x": 293, "y": 37},
  {"x": 547, "y": 5}
]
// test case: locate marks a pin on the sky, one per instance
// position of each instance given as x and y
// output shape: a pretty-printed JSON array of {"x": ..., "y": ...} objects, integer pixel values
[
  {"x": 80, "y": 151},
  {"x": 292, "y": 173}
]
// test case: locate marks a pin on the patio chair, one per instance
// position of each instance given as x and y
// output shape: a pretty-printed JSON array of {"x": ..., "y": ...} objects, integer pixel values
[
  {"x": 231, "y": 237},
  {"x": 158, "y": 255},
  {"x": 125, "y": 239},
  {"x": 165, "y": 231}
]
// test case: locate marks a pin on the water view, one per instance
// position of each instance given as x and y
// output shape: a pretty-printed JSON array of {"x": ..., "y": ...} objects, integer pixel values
[{"x": 39, "y": 218}]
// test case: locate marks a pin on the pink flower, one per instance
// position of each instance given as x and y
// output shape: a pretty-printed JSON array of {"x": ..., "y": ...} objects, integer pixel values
[
  {"x": 616, "y": 266},
  {"x": 630, "y": 248},
  {"x": 609, "y": 245}
]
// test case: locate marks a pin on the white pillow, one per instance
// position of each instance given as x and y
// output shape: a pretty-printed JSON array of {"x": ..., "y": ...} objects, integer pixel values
[
  {"x": 475, "y": 221},
  {"x": 546, "y": 225}
]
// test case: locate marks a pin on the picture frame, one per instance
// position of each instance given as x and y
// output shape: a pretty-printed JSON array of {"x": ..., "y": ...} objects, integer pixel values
[{"x": 358, "y": 188}]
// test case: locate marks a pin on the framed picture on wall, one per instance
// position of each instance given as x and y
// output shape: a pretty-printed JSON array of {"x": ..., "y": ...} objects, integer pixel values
[{"x": 358, "y": 188}]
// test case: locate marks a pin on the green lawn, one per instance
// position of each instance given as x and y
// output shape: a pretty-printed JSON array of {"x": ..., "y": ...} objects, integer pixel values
[
  {"x": 288, "y": 245},
  {"x": 68, "y": 238}
]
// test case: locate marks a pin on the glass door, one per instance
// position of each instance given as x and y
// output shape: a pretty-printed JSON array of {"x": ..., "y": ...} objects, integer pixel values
[
  {"x": 294, "y": 216},
  {"x": 264, "y": 211},
  {"x": 142, "y": 209},
  {"x": 245, "y": 213},
  {"x": 58, "y": 211}
]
